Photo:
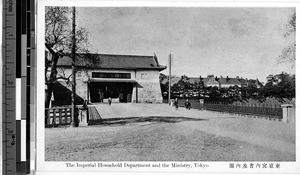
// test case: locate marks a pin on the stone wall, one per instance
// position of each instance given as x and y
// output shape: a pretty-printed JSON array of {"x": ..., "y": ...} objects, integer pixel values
[{"x": 148, "y": 87}]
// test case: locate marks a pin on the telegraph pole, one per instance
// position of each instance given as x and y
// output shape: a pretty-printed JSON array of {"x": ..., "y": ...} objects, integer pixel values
[
  {"x": 170, "y": 63},
  {"x": 73, "y": 70}
]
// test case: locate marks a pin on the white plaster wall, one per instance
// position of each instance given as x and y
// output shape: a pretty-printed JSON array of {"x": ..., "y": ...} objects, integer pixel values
[
  {"x": 227, "y": 86},
  {"x": 147, "y": 76},
  {"x": 81, "y": 81},
  {"x": 213, "y": 85},
  {"x": 149, "y": 90},
  {"x": 82, "y": 76}
]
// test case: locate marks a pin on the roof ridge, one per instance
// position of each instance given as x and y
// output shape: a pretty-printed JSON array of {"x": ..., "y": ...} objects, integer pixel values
[{"x": 113, "y": 61}]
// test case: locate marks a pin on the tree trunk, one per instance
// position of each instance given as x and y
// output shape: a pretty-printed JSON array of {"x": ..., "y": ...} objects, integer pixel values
[
  {"x": 48, "y": 94},
  {"x": 51, "y": 81}
]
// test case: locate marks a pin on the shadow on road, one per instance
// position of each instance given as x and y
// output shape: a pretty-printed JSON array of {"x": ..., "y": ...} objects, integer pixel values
[{"x": 157, "y": 119}]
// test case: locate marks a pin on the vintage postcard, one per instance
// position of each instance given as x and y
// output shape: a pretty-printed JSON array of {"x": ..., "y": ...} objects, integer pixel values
[{"x": 157, "y": 87}]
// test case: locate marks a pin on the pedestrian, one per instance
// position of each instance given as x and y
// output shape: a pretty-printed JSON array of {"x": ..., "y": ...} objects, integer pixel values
[
  {"x": 121, "y": 97},
  {"x": 201, "y": 103},
  {"x": 100, "y": 95},
  {"x": 109, "y": 101},
  {"x": 187, "y": 104},
  {"x": 176, "y": 103}
]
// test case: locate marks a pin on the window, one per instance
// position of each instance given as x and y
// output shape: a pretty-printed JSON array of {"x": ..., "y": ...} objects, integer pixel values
[{"x": 111, "y": 75}]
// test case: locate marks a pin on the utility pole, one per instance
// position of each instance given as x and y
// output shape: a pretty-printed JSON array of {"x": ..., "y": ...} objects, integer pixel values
[
  {"x": 73, "y": 70},
  {"x": 169, "y": 97}
]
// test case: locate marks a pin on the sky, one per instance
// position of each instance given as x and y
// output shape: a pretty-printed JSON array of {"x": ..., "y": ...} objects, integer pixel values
[{"x": 244, "y": 42}]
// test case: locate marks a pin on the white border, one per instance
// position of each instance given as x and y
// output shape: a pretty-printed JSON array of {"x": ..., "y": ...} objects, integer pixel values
[{"x": 215, "y": 167}]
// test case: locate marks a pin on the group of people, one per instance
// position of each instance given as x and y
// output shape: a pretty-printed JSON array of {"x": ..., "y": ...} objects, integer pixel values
[{"x": 187, "y": 104}]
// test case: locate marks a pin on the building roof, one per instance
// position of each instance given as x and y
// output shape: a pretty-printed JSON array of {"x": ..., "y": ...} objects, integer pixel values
[
  {"x": 109, "y": 61},
  {"x": 174, "y": 80},
  {"x": 256, "y": 82},
  {"x": 210, "y": 80},
  {"x": 229, "y": 81},
  {"x": 244, "y": 82},
  {"x": 192, "y": 80}
]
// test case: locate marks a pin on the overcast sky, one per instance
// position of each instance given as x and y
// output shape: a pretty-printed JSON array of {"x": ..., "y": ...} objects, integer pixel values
[{"x": 231, "y": 42}]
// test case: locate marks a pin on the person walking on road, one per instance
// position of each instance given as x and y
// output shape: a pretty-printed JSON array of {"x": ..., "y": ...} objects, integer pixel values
[
  {"x": 100, "y": 95},
  {"x": 176, "y": 103},
  {"x": 109, "y": 101},
  {"x": 187, "y": 104}
]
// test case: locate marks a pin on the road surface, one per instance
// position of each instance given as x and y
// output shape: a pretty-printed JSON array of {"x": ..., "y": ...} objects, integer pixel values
[{"x": 142, "y": 132}]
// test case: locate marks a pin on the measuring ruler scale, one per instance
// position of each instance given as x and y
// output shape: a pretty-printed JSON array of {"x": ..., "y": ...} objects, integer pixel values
[{"x": 17, "y": 102}]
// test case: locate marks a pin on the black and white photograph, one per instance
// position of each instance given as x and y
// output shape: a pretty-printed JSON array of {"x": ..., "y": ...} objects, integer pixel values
[{"x": 171, "y": 85}]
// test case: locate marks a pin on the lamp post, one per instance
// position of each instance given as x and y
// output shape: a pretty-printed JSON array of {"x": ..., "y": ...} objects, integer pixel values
[{"x": 169, "y": 96}]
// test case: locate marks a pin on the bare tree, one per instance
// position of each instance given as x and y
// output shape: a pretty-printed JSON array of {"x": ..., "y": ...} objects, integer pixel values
[
  {"x": 58, "y": 41},
  {"x": 288, "y": 53}
]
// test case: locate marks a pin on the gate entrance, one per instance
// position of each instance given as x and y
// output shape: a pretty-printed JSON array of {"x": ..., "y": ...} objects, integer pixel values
[{"x": 115, "y": 90}]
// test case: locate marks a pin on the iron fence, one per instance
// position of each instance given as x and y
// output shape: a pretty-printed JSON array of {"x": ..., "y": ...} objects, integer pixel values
[{"x": 262, "y": 110}]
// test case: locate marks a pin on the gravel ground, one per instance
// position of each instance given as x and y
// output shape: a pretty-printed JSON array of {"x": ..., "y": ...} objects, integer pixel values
[{"x": 177, "y": 138}]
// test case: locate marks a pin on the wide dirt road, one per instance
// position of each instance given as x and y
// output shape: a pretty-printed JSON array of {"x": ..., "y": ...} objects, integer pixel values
[{"x": 146, "y": 132}]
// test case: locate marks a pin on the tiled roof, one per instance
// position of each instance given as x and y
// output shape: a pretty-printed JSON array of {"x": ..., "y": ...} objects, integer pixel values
[
  {"x": 256, "y": 82},
  {"x": 210, "y": 80},
  {"x": 109, "y": 61},
  {"x": 233, "y": 81},
  {"x": 243, "y": 82},
  {"x": 205, "y": 80}
]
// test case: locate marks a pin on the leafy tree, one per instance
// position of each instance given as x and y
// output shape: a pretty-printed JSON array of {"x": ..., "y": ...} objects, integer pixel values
[
  {"x": 164, "y": 87},
  {"x": 214, "y": 92},
  {"x": 280, "y": 86},
  {"x": 181, "y": 85},
  {"x": 176, "y": 87},
  {"x": 58, "y": 41}
]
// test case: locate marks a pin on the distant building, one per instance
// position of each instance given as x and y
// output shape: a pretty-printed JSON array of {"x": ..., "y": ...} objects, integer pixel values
[
  {"x": 192, "y": 80},
  {"x": 250, "y": 82},
  {"x": 221, "y": 82},
  {"x": 214, "y": 81},
  {"x": 229, "y": 82},
  {"x": 174, "y": 80},
  {"x": 244, "y": 82},
  {"x": 256, "y": 83},
  {"x": 124, "y": 78},
  {"x": 274, "y": 79},
  {"x": 270, "y": 77},
  {"x": 211, "y": 81}
]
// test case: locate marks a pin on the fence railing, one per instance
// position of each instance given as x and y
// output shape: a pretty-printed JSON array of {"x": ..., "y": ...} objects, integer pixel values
[
  {"x": 269, "y": 111},
  {"x": 57, "y": 116}
]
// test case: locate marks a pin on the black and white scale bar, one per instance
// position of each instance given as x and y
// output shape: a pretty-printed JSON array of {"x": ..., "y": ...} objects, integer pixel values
[
  {"x": 21, "y": 85},
  {"x": 30, "y": 87}
]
